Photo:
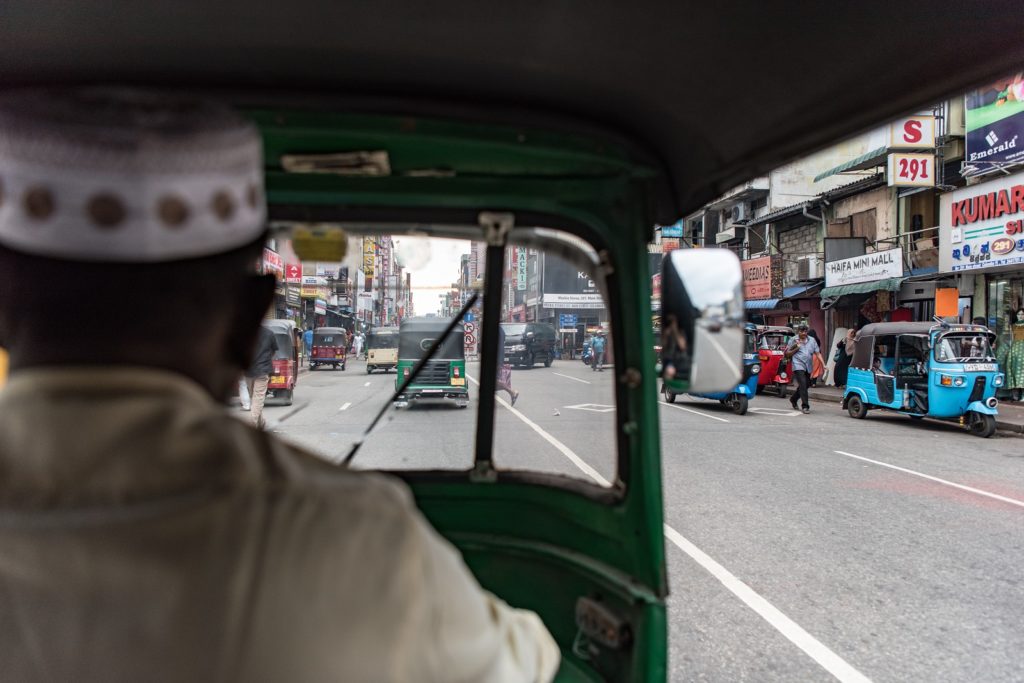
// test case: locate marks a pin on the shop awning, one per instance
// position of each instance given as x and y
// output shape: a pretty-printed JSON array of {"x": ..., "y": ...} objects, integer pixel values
[
  {"x": 891, "y": 284},
  {"x": 761, "y": 304},
  {"x": 873, "y": 158},
  {"x": 797, "y": 290}
]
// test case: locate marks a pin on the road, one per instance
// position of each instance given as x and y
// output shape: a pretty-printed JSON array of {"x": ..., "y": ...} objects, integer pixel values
[{"x": 800, "y": 547}]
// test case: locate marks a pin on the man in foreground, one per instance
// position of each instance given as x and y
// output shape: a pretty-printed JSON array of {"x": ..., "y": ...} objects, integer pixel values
[{"x": 146, "y": 534}]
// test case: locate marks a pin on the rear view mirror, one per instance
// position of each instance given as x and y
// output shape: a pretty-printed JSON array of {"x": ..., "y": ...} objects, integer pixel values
[{"x": 702, "y": 320}]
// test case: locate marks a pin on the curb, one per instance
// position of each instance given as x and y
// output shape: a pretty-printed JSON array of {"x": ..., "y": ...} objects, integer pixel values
[{"x": 832, "y": 398}]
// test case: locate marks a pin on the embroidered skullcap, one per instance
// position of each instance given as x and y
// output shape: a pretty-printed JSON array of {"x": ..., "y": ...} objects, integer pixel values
[{"x": 125, "y": 175}]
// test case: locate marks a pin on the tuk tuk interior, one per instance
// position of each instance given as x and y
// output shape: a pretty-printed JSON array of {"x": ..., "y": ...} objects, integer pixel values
[{"x": 611, "y": 147}]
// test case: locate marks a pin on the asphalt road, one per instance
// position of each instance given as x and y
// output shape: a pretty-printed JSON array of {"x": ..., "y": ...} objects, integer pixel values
[{"x": 797, "y": 550}]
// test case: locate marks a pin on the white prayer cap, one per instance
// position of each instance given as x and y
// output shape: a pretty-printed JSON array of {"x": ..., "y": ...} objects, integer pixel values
[{"x": 123, "y": 175}]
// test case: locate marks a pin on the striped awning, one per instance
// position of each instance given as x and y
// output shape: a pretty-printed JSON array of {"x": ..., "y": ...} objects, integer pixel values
[
  {"x": 875, "y": 157},
  {"x": 761, "y": 304}
]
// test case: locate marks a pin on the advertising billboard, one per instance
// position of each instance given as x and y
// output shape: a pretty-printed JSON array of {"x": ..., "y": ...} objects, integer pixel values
[
  {"x": 566, "y": 286},
  {"x": 762, "y": 277},
  {"x": 995, "y": 122},
  {"x": 521, "y": 265},
  {"x": 880, "y": 265},
  {"x": 982, "y": 226}
]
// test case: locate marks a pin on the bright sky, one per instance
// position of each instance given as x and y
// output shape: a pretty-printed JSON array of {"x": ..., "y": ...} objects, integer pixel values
[{"x": 434, "y": 264}]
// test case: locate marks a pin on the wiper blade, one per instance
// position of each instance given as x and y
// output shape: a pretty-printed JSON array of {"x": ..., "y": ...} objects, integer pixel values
[{"x": 411, "y": 378}]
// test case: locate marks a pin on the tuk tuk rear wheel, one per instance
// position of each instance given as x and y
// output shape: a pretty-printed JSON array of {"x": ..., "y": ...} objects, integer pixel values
[
  {"x": 739, "y": 404},
  {"x": 670, "y": 396},
  {"x": 982, "y": 425},
  {"x": 369, "y": 370},
  {"x": 856, "y": 407}
]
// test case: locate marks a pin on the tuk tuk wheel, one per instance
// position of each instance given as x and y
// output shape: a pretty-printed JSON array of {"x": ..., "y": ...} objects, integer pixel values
[
  {"x": 369, "y": 369},
  {"x": 782, "y": 389},
  {"x": 739, "y": 404},
  {"x": 547, "y": 362},
  {"x": 760, "y": 389},
  {"x": 670, "y": 396},
  {"x": 856, "y": 407},
  {"x": 982, "y": 425}
]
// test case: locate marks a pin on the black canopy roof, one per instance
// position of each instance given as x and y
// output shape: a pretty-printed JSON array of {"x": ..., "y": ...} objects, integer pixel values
[
  {"x": 425, "y": 324},
  {"x": 716, "y": 91},
  {"x": 887, "y": 329}
]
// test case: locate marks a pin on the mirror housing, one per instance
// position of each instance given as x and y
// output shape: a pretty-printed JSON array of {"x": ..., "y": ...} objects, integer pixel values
[{"x": 702, "y": 320}]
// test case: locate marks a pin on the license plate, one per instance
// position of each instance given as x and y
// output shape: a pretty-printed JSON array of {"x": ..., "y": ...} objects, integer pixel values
[
  {"x": 458, "y": 381},
  {"x": 980, "y": 367},
  {"x": 277, "y": 379}
]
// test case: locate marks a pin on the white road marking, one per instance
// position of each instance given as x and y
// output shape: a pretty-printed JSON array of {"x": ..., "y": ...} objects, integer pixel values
[
  {"x": 574, "y": 379},
  {"x": 367, "y": 384},
  {"x": 592, "y": 407},
  {"x": 810, "y": 645},
  {"x": 690, "y": 410},
  {"x": 971, "y": 489},
  {"x": 344, "y": 407},
  {"x": 774, "y": 411}
]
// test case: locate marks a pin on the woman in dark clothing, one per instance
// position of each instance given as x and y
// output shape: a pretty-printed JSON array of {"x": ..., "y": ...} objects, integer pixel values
[{"x": 844, "y": 354}]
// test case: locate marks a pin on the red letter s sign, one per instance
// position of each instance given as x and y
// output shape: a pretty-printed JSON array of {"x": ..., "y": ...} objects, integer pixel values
[{"x": 912, "y": 131}]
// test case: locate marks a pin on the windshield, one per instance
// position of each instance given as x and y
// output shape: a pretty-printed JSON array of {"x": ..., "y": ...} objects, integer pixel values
[
  {"x": 329, "y": 338},
  {"x": 384, "y": 340},
  {"x": 962, "y": 348},
  {"x": 513, "y": 330},
  {"x": 751, "y": 343}
]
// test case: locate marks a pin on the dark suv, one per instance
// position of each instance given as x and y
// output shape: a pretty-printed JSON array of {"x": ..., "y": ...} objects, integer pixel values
[{"x": 529, "y": 343}]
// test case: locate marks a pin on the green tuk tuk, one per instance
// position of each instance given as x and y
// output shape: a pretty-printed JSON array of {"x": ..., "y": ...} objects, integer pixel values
[{"x": 443, "y": 375}]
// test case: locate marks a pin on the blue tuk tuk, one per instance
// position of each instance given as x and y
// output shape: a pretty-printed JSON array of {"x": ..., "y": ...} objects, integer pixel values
[
  {"x": 740, "y": 396},
  {"x": 924, "y": 369}
]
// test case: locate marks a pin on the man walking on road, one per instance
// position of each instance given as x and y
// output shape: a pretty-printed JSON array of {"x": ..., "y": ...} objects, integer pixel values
[
  {"x": 307, "y": 343},
  {"x": 258, "y": 377},
  {"x": 598, "y": 350},
  {"x": 802, "y": 351}
]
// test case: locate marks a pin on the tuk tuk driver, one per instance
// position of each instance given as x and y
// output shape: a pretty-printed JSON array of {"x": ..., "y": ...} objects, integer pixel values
[{"x": 147, "y": 534}]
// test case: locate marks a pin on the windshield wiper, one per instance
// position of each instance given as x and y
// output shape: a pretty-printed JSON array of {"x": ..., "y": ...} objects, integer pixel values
[{"x": 411, "y": 378}]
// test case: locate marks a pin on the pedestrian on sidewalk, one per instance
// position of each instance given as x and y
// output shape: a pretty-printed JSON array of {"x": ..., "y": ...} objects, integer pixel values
[
  {"x": 505, "y": 369},
  {"x": 307, "y": 343},
  {"x": 801, "y": 353},
  {"x": 258, "y": 376},
  {"x": 843, "y": 356}
]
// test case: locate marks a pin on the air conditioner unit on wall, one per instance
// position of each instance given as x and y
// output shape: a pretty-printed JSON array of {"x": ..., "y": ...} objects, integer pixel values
[
  {"x": 739, "y": 213},
  {"x": 808, "y": 268}
]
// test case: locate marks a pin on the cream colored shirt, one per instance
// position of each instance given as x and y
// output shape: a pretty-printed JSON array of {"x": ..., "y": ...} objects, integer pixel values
[{"x": 147, "y": 535}]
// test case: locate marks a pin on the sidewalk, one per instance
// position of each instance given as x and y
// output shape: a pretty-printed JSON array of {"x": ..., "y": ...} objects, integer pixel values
[{"x": 1009, "y": 419}]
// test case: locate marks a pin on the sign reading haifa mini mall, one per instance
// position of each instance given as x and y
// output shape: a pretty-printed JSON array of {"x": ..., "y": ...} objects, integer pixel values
[{"x": 867, "y": 268}]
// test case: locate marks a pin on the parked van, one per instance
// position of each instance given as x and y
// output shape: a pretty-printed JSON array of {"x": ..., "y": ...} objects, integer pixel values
[{"x": 529, "y": 343}]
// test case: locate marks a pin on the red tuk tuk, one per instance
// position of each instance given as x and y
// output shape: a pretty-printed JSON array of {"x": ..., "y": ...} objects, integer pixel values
[
  {"x": 286, "y": 362},
  {"x": 330, "y": 347},
  {"x": 771, "y": 348}
]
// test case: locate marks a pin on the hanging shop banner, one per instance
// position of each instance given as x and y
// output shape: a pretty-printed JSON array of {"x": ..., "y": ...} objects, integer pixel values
[
  {"x": 521, "y": 264},
  {"x": 982, "y": 226},
  {"x": 320, "y": 307},
  {"x": 674, "y": 230},
  {"x": 310, "y": 292},
  {"x": 762, "y": 278},
  {"x": 995, "y": 122},
  {"x": 293, "y": 273},
  {"x": 273, "y": 263},
  {"x": 369, "y": 251},
  {"x": 912, "y": 132},
  {"x": 292, "y": 297},
  {"x": 880, "y": 265},
  {"x": 910, "y": 170}
]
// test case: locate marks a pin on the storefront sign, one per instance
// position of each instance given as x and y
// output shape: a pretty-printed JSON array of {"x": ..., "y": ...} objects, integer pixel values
[
  {"x": 911, "y": 170},
  {"x": 293, "y": 273},
  {"x": 912, "y": 132},
  {"x": 273, "y": 263},
  {"x": 320, "y": 307},
  {"x": 369, "y": 251},
  {"x": 585, "y": 301},
  {"x": 521, "y": 264},
  {"x": 867, "y": 268},
  {"x": 674, "y": 230},
  {"x": 982, "y": 226},
  {"x": 669, "y": 245},
  {"x": 757, "y": 278},
  {"x": 995, "y": 121},
  {"x": 310, "y": 292}
]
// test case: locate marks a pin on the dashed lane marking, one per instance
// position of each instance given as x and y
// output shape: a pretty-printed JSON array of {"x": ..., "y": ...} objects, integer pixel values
[
  {"x": 344, "y": 407},
  {"x": 691, "y": 410},
  {"x": 971, "y": 489},
  {"x": 574, "y": 379}
]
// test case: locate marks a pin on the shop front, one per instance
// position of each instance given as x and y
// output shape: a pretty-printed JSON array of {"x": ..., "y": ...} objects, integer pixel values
[{"x": 981, "y": 238}]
